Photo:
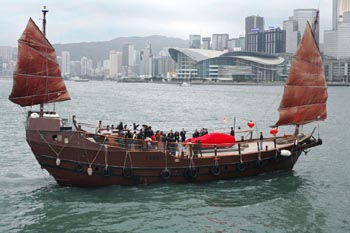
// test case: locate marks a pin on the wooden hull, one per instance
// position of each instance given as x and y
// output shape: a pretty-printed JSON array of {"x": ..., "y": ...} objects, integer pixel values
[{"x": 67, "y": 155}]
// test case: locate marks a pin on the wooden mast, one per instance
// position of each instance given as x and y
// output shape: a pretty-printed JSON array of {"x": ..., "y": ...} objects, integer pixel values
[
  {"x": 314, "y": 28},
  {"x": 44, "y": 10}
]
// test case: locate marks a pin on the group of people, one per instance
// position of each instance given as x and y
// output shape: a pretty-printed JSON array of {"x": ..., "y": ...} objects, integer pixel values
[
  {"x": 132, "y": 131},
  {"x": 200, "y": 133}
]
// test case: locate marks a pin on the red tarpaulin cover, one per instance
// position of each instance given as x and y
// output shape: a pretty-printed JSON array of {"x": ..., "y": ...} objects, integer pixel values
[{"x": 219, "y": 139}]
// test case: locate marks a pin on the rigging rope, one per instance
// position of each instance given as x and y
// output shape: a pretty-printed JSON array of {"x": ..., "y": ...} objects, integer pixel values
[{"x": 127, "y": 155}]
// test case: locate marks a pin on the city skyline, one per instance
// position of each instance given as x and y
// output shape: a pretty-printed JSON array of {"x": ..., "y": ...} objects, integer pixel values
[{"x": 104, "y": 20}]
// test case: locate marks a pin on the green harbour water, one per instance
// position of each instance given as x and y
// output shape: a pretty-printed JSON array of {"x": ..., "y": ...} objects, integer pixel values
[{"x": 313, "y": 197}]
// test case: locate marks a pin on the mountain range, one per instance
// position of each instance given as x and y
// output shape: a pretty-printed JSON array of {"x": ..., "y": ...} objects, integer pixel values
[{"x": 99, "y": 51}]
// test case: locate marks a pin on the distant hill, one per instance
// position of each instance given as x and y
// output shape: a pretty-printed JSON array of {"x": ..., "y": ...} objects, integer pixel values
[{"x": 98, "y": 51}]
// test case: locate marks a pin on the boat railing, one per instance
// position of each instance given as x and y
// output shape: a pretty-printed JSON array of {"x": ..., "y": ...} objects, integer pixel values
[
  {"x": 172, "y": 148},
  {"x": 186, "y": 149}
]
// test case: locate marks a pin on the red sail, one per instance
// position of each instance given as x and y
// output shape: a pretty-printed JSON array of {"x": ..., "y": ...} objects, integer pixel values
[
  {"x": 37, "y": 78},
  {"x": 305, "y": 92}
]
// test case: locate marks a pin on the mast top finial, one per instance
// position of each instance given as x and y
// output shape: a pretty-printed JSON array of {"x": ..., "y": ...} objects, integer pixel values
[{"x": 44, "y": 10}]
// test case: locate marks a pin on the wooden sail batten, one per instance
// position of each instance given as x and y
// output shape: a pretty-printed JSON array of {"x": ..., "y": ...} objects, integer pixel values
[
  {"x": 300, "y": 106},
  {"x": 37, "y": 75},
  {"x": 39, "y": 52},
  {"x": 297, "y": 96},
  {"x": 39, "y": 95},
  {"x": 37, "y": 78},
  {"x": 302, "y": 114}
]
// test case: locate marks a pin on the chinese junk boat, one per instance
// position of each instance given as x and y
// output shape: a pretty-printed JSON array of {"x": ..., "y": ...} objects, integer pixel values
[{"x": 75, "y": 157}]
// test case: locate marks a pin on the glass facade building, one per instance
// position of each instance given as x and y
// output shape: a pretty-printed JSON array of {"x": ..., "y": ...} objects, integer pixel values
[{"x": 229, "y": 66}]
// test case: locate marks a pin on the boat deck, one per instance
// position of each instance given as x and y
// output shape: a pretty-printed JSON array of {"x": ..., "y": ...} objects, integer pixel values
[{"x": 191, "y": 150}]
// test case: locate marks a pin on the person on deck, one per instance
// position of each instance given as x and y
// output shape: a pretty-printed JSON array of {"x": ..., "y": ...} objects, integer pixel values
[
  {"x": 99, "y": 126},
  {"x": 232, "y": 133},
  {"x": 195, "y": 134},
  {"x": 177, "y": 136},
  {"x": 183, "y": 135},
  {"x": 120, "y": 128},
  {"x": 261, "y": 138}
]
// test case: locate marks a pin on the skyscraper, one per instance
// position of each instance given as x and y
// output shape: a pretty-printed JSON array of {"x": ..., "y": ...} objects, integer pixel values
[
  {"x": 270, "y": 41},
  {"x": 147, "y": 61},
  {"x": 220, "y": 42},
  {"x": 115, "y": 61},
  {"x": 302, "y": 16},
  {"x": 65, "y": 63},
  {"x": 339, "y": 7},
  {"x": 128, "y": 60},
  {"x": 292, "y": 34},
  {"x": 206, "y": 43},
  {"x": 86, "y": 66},
  {"x": 254, "y": 23},
  {"x": 295, "y": 27},
  {"x": 195, "y": 42},
  {"x": 336, "y": 42}
]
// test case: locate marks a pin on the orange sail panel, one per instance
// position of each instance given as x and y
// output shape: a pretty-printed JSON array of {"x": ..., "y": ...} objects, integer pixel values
[
  {"x": 305, "y": 92},
  {"x": 37, "y": 78}
]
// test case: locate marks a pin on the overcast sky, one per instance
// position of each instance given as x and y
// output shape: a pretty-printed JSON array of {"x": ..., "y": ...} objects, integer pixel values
[{"x": 87, "y": 20}]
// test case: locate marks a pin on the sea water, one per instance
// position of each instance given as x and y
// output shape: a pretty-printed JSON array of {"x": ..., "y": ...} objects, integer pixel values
[{"x": 313, "y": 197}]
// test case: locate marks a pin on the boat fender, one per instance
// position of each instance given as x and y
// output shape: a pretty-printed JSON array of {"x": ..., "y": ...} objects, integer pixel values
[
  {"x": 319, "y": 141},
  {"x": 127, "y": 172},
  {"x": 58, "y": 162},
  {"x": 215, "y": 170},
  {"x": 34, "y": 115},
  {"x": 89, "y": 171},
  {"x": 106, "y": 171},
  {"x": 259, "y": 163},
  {"x": 241, "y": 167},
  {"x": 285, "y": 153},
  {"x": 79, "y": 168},
  {"x": 191, "y": 173},
  {"x": 165, "y": 174}
]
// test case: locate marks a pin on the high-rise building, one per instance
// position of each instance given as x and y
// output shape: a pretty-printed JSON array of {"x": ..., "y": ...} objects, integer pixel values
[
  {"x": 195, "y": 42},
  {"x": 128, "y": 60},
  {"x": 270, "y": 41},
  {"x": 65, "y": 69},
  {"x": 206, "y": 43},
  {"x": 220, "y": 42},
  {"x": 336, "y": 42},
  {"x": 236, "y": 44},
  {"x": 75, "y": 68},
  {"x": 147, "y": 60},
  {"x": 274, "y": 41},
  {"x": 339, "y": 7},
  {"x": 115, "y": 63},
  {"x": 295, "y": 27},
  {"x": 1, "y": 64},
  {"x": 7, "y": 53},
  {"x": 86, "y": 66},
  {"x": 254, "y": 23},
  {"x": 164, "y": 64},
  {"x": 292, "y": 34},
  {"x": 303, "y": 16}
]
